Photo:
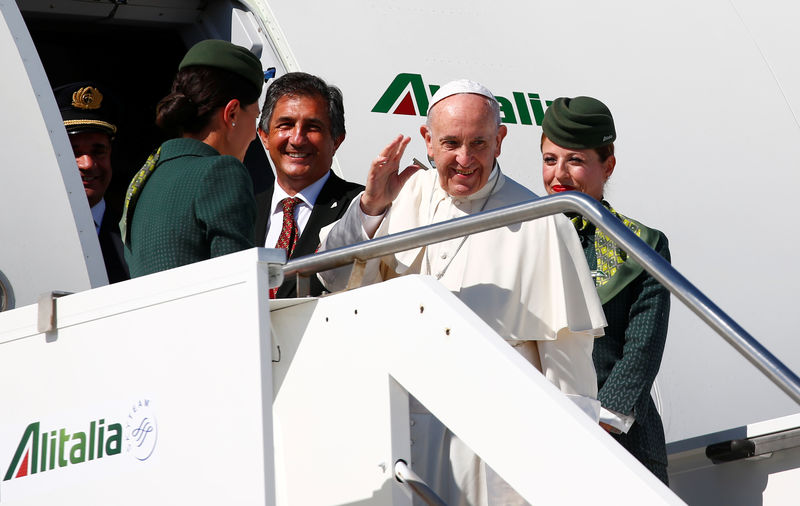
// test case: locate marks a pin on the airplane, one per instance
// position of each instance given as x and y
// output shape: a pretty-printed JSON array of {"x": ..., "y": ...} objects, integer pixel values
[{"x": 705, "y": 99}]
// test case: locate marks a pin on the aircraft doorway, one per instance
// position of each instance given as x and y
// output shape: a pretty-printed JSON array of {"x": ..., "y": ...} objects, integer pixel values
[
  {"x": 137, "y": 63},
  {"x": 135, "y": 50}
]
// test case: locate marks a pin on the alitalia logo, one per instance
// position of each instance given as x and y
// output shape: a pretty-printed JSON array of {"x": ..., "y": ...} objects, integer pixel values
[
  {"x": 44, "y": 450},
  {"x": 409, "y": 95}
]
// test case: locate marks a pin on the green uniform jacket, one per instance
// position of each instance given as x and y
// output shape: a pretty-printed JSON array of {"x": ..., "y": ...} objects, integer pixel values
[
  {"x": 196, "y": 205},
  {"x": 628, "y": 356}
]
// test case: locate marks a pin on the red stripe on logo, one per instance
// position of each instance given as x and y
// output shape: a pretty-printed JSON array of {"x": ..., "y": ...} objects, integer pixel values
[
  {"x": 23, "y": 468},
  {"x": 406, "y": 106}
]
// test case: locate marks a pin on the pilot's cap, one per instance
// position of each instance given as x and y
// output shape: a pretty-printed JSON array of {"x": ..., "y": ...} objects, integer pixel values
[{"x": 87, "y": 106}]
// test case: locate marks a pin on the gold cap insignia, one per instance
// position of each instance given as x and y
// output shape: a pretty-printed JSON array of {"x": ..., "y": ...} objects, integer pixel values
[{"x": 87, "y": 98}]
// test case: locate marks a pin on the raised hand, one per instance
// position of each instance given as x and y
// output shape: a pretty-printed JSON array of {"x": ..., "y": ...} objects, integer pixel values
[{"x": 383, "y": 181}]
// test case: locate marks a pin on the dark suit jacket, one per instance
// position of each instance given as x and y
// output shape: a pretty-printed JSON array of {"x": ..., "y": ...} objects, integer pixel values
[
  {"x": 331, "y": 204},
  {"x": 628, "y": 356},
  {"x": 111, "y": 246}
]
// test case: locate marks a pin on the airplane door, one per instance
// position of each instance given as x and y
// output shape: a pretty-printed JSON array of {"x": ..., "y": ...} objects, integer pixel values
[{"x": 47, "y": 236}]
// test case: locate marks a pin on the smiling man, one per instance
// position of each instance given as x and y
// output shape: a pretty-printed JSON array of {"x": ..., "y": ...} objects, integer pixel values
[
  {"x": 90, "y": 115},
  {"x": 302, "y": 126},
  {"x": 529, "y": 282}
]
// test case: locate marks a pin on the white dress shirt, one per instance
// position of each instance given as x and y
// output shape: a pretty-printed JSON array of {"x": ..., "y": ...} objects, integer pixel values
[{"x": 302, "y": 211}]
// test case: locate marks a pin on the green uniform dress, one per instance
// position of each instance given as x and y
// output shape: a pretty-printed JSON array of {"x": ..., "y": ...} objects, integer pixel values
[
  {"x": 195, "y": 205},
  {"x": 628, "y": 357}
]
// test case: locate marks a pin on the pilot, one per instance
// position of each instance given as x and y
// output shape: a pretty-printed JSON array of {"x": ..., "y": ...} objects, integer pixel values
[
  {"x": 90, "y": 116},
  {"x": 529, "y": 282}
]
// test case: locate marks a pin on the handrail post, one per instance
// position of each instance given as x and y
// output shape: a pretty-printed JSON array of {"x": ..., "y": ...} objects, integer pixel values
[
  {"x": 303, "y": 285},
  {"x": 406, "y": 476}
]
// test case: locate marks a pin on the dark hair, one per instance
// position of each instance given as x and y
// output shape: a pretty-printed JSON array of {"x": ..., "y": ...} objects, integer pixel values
[
  {"x": 300, "y": 84},
  {"x": 605, "y": 151},
  {"x": 602, "y": 151},
  {"x": 197, "y": 92}
]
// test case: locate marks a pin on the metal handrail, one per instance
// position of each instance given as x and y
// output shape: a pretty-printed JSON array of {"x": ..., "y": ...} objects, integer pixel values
[
  {"x": 406, "y": 476},
  {"x": 593, "y": 211}
]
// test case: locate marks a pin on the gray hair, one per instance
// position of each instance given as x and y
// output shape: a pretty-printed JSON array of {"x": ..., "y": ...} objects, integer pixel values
[{"x": 300, "y": 84}]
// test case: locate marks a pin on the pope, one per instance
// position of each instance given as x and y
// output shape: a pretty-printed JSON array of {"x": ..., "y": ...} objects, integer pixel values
[{"x": 529, "y": 282}]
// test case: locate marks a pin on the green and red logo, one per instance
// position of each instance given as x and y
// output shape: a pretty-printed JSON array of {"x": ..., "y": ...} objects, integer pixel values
[
  {"x": 409, "y": 95},
  {"x": 40, "y": 451}
]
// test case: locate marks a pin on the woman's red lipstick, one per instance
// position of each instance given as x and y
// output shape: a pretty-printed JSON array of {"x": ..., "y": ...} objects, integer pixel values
[{"x": 561, "y": 188}]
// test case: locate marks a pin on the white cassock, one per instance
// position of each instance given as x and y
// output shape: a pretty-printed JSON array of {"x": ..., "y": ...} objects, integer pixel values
[{"x": 528, "y": 281}]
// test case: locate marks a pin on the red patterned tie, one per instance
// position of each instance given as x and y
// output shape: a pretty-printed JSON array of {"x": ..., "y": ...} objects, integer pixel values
[{"x": 288, "y": 238}]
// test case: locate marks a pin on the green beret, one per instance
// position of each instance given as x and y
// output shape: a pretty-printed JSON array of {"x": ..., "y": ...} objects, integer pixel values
[
  {"x": 579, "y": 123},
  {"x": 224, "y": 55}
]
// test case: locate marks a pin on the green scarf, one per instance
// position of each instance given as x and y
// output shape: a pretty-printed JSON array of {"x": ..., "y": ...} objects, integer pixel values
[
  {"x": 614, "y": 269},
  {"x": 132, "y": 195}
]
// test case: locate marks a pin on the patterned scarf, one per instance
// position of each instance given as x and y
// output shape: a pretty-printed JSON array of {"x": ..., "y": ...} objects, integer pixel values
[
  {"x": 132, "y": 195},
  {"x": 614, "y": 271}
]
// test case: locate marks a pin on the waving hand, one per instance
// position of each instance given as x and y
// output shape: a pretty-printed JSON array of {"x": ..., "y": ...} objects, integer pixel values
[{"x": 384, "y": 182}]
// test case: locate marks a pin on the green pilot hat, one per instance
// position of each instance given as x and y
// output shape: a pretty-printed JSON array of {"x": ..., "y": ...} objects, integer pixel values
[
  {"x": 224, "y": 55},
  {"x": 579, "y": 123}
]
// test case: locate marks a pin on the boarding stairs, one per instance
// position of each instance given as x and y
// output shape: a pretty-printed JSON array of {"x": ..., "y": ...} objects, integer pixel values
[{"x": 301, "y": 401}]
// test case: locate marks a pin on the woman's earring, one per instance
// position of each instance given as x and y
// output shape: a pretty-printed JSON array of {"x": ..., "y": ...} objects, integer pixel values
[{"x": 233, "y": 123}]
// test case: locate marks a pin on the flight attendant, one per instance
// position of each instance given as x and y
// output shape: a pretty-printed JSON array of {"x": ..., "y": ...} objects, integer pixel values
[
  {"x": 578, "y": 155},
  {"x": 193, "y": 199}
]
